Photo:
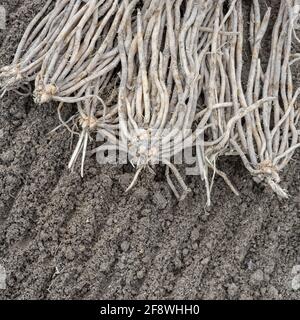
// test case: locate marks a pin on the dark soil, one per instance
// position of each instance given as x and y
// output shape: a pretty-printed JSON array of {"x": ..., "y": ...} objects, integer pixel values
[{"x": 62, "y": 236}]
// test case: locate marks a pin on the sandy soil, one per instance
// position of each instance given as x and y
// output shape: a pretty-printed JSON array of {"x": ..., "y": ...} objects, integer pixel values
[{"x": 62, "y": 236}]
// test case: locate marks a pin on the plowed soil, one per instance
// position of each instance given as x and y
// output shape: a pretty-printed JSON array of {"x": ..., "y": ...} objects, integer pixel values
[{"x": 63, "y": 236}]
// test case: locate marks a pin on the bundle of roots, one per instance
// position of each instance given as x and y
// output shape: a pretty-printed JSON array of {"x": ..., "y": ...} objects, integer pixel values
[{"x": 155, "y": 78}]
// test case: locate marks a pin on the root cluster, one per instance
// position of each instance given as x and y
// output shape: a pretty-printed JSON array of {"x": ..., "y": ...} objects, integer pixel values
[{"x": 156, "y": 78}]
